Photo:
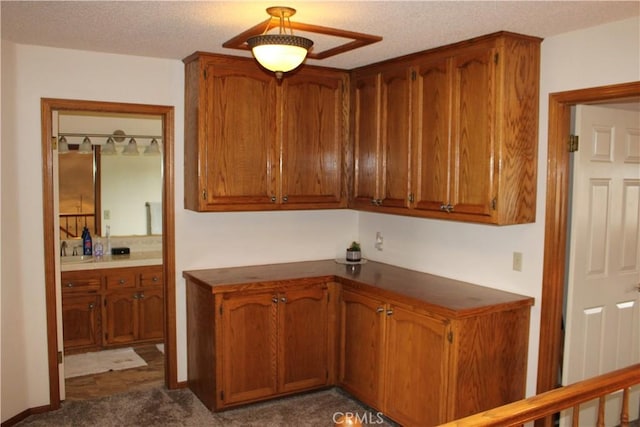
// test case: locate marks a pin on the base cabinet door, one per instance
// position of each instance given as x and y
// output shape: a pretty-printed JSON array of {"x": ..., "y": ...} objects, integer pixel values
[
  {"x": 362, "y": 346},
  {"x": 417, "y": 354},
  {"x": 122, "y": 317},
  {"x": 303, "y": 339},
  {"x": 248, "y": 350},
  {"x": 151, "y": 314},
  {"x": 81, "y": 322}
]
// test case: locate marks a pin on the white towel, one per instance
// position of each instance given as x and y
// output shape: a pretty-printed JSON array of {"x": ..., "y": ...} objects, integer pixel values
[{"x": 154, "y": 217}]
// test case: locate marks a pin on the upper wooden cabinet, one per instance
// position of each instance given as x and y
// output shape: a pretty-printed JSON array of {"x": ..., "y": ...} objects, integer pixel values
[
  {"x": 252, "y": 143},
  {"x": 471, "y": 131}
]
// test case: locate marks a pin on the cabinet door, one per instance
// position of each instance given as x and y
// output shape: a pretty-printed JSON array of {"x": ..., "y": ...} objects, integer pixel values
[
  {"x": 248, "y": 351},
  {"x": 121, "y": 317},
  {"x": 150, "y": 314},
  {"x": 240, "y": 127},
  {"x": 417, "y": 360},
  {"x": 432, "y": 149},
  {"x": 313, "y": 135},
  {"x": 303, "y": 339},
  {"x": 473, "y": 137},
  {"x": 395, "y": 110},
  {"x": 81, "y": 321},
  {"x": 366, "y": 140},
  {"x": 361, "y": 347}
]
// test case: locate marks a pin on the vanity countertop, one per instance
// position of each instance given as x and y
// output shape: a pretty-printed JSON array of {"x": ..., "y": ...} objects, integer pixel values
[{"x": 134, "y": 259}]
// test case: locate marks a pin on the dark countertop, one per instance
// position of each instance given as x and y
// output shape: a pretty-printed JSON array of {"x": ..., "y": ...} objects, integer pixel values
[{"x": 449, "y": 297}]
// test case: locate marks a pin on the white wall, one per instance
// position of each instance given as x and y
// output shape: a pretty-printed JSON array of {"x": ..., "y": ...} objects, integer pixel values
[{"x": 481, "y": 254}]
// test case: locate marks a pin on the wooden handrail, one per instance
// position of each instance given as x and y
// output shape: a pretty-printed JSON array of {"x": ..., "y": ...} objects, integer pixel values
[{"x": 553, "y": 401}]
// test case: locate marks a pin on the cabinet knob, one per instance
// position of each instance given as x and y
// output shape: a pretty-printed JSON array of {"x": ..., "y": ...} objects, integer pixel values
[
  {"x": 379, "y": 309},
  {"x": 141, "y": 295},
  {"x": 274, "y": 300},
  {"x": 155, "y": 279},
  {"x": 69, "y": 285},
  {"x": 285, "y": 199},
  {"x": 273, "y": 199},
  {"x": 283, "y": 299},
  {"x": 91, "y": 306},
  {"x": 389, "y": 312},
  {"x": 122, "y": 281}
]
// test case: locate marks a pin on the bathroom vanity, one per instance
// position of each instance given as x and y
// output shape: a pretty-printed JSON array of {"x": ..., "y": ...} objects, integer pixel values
[{"x": 113, "y": 301}]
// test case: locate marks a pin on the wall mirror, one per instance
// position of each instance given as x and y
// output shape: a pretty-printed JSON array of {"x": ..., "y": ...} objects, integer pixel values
[{"x": 109, "y": 174}]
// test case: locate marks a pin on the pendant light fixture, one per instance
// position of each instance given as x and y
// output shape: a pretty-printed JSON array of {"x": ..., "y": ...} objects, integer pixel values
[
  {"x": 280, "y": 52},
  {"x": 109, "y": 148},
  {"x": 153, "y": 148},
  {"x": 131, "y": 149},
  {"x": 63, "y": 145},
  {"x": 85, "y": 147}
]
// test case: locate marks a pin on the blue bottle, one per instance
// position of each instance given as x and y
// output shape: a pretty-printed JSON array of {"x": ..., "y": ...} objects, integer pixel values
[{"x": 86, "y": 241}]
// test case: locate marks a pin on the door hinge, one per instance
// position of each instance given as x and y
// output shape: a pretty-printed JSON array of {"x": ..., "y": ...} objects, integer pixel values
[
  {"x": 450, "y": 336},
  {"x": 496, "y": 57},
  {"x": 573, "y": 143},
  {"x": 494, "y": 204},
  {"x": 59, "y": 357}
]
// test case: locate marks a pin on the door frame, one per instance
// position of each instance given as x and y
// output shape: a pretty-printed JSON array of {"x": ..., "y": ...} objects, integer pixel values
[
  {"x": 556, "y": 219},
  {"x": 47, "y": 106}
]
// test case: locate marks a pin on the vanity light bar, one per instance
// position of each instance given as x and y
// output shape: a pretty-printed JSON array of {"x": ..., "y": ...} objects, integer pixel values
[{"x": 107, "y": 135}]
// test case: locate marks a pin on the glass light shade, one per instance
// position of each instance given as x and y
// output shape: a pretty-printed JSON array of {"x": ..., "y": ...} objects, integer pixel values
[
  {"x": 63, "y": 145},
  {"x": 153, "y": 148},
  {"x": 131, "y": 148},
  {"x": 85, "y": 147},
  {"x": 109, "y": 148},
  {"x": 279, "y": 53}
]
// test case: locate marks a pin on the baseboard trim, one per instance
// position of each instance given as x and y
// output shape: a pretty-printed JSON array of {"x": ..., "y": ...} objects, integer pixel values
[{"x": 24, "y": 414}]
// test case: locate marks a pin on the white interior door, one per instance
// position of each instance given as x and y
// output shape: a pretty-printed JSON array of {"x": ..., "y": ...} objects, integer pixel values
[{"x": 602, "y": 318}]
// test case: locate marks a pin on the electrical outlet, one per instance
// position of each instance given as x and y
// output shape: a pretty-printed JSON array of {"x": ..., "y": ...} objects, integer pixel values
[
  {"x": 379, "y": 240},
  {"x": 517, "y": 261},
  {"x": 107, "y": 214}
]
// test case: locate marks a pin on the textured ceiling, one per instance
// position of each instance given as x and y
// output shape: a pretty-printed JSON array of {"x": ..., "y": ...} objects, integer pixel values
[{"x": 175, "y": 29}]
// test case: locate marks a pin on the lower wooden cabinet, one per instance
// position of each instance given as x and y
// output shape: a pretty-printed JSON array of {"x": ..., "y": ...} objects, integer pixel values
[
  {"x": 393, "y": 358},
  {"x": 268, "y": 343},
  {"x": 112, "y": 307},
  {"x": 396, "y": 358},
  {"x": 81, "y": 321},
  {"x": 422, "y": 350}
]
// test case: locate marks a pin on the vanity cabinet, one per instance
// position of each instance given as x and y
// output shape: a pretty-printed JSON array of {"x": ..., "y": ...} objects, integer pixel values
[
  {"x": 269, "y": 343},
  {"x": 111, "y": 307},
  {"x": 469, "y": 119},
  {"x": 252, "y": 143},
  {"x": 81, "y": 310},
  {"x": 134, "y": 305}
]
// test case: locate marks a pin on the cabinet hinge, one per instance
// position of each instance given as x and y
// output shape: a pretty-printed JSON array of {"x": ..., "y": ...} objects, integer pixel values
[
  {"x": 494, "y": 204},
  {"x": 59, "y": 357},
  {"x": 204, "y": 73},
  {"x": 413, "y": 75},
  {"x": 450, "y": 336},
  {"x": 573, "y": 143},
  {"x": 204, "y": 194},
  {"x": 220, "y": 310},
  {"x": 496, "y": 58},
  {"x": 222, "y": 395},
  {"x": 412, "y": 198}
]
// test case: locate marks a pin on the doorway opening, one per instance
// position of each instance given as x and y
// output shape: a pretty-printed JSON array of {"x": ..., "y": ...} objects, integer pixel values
[
  {"x": 50, "y": 109},
  {"x": 556, "y": 223}
]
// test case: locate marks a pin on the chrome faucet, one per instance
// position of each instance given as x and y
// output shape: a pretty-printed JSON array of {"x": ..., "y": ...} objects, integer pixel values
[{"x": 63, "y": 248}]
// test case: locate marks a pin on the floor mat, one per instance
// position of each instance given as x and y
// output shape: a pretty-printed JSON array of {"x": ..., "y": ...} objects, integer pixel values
[{"x": 77, "y": 365}]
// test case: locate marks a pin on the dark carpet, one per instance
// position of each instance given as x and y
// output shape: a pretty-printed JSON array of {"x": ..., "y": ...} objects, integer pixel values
[{"x": 161, "y": 407}]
